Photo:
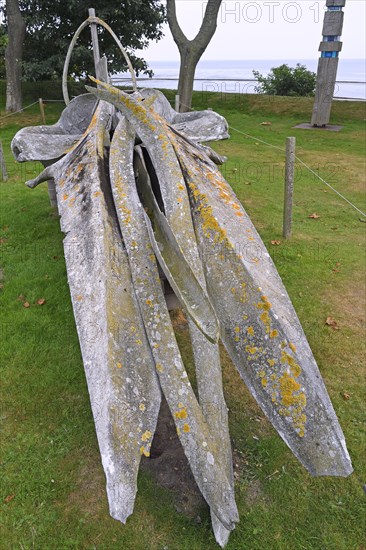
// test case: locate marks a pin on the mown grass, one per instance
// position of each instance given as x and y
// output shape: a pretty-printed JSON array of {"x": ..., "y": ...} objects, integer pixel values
[{"x": 52, "y": 488}]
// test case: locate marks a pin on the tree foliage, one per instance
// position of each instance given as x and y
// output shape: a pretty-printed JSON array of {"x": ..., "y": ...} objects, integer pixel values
[
  {"x": 287, "y": 81},
  {"x": 52, "y": 23}
]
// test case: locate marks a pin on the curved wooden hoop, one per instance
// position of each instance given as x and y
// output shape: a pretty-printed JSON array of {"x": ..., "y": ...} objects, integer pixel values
[{"x": 72, "y": 45}]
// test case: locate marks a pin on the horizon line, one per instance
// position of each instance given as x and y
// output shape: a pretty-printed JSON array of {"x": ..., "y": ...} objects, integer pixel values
[{"x": 262, "y": 59}]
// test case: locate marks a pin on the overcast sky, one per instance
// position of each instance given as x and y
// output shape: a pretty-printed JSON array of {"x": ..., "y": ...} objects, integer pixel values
[{"x": 274, "y": 29}]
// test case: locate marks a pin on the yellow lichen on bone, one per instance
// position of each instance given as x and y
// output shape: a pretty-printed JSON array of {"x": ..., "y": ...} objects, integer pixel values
[
  {"x": 144, "y": 451},
  {"x": 264, "y": 304},
  {"x": 265, "y": 318},
  {"x": 288, "y": 387},
  {"x": 295, "y": 368},
  {"x": 182, "y": 414},
  {"x": 146, "y": 436}
]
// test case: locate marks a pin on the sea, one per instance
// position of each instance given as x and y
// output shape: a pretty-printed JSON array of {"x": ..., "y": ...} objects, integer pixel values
[{"x": 237, "y": 76}]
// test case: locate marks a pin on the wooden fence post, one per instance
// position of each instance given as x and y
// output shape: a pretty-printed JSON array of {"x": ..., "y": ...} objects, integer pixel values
[
  {"x": 41, "y": 108},
  {"x": 4, "y": 173},
  {"x": 289, "y": 186}
]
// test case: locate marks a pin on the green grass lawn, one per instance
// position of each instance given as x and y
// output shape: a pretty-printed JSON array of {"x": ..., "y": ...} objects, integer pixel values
[{"x": 52, "y": 483}]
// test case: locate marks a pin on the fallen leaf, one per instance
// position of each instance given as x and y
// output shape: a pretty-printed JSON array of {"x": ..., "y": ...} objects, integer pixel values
[
  {"x": 346, "y": 395},
  {"x": 41, "y": 301},
  {"x": 276, "y": 242},
  {"x": 3, "y": 240},
  {"x": 266, "y": 123},
  {"x": 314, "y": 216},
  {"x": 361, "y": 220},
  {"x": 26, "y": 304},
  {"x": 332, "y": 323},
  {"x": 8, "y": 498},
  {"x": 21, "y": 297}
]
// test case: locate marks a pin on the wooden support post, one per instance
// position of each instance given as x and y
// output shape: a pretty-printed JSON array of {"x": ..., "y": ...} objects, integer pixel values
[
  {"x": 289, "y": 186},
  {"x": 4, "y": 173},
  {"x": 51, "y": 187},
  {"x": 52, "y": 193},
  {"x": 177, "y": 103},
  {"x": 41, "y": 108},
  {"x": 95, "y": 42}
]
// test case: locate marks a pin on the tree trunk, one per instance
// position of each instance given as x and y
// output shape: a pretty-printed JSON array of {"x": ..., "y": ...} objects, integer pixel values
[
  {"x": 13, "y": 56},
  {"x": 188, "y": 63},
  {"x": 191, "y": 50}
]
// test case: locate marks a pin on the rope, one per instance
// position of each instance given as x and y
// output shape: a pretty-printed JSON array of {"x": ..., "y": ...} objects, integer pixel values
[
  {"x": 20, "y": 110},
  {"x": 330, "y": 187},
  {"x": 304, "y": 164},
  {"x": 257, "y": 139}
]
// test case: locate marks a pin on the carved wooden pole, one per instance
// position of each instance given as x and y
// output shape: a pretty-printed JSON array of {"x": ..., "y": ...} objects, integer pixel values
[{"x": 328, "y": 62}]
